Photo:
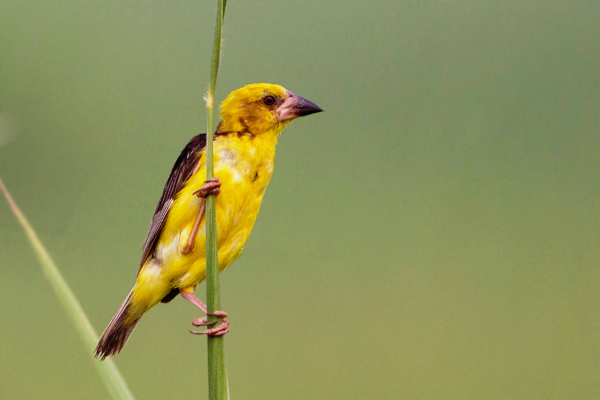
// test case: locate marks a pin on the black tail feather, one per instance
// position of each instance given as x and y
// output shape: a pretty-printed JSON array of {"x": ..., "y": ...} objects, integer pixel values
[{"x": 117, "y": 332}]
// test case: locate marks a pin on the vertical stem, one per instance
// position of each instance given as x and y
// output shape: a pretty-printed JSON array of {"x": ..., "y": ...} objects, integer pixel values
[{"x": 218, "y": 388}]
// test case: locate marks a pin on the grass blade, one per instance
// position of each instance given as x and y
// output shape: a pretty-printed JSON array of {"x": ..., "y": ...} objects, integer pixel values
[
  {"x": 218, "y": 388},
  {"x": 108, "y": 370}
]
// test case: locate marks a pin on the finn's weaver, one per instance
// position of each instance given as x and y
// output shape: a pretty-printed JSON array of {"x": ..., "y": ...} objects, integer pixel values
[{"x": 173, "y": 260}]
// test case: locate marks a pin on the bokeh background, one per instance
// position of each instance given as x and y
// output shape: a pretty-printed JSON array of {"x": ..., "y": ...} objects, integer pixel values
[{"x": 433, "y": 235}]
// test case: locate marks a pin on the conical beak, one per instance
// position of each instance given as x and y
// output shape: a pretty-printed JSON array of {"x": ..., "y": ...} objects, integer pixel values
[{"x": 295, "y": 106}]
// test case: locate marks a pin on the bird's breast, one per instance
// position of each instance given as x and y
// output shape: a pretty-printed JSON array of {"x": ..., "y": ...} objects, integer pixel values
[{"x": 244, "y": 170}]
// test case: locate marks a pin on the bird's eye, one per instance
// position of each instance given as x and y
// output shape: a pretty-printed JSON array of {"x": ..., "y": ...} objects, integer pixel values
[{"x": 269, "y": 100}]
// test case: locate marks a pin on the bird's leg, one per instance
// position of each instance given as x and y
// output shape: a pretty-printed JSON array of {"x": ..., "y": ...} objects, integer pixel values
[
  {"x": 210, "y": 187},
  {"x": 189, "y": 246},
  {"x": 220, "y": 330}
]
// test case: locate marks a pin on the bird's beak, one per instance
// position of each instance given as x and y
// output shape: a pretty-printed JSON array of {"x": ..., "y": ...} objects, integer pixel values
[{"x": 295, "y": 106}]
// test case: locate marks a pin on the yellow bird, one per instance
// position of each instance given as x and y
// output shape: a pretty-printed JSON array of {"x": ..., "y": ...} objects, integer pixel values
[{"x": 173, "y": 259}]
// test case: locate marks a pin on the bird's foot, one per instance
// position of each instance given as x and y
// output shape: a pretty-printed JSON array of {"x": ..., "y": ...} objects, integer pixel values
[
  {"x": 210, "y": 187},
  {"x": 202, "y": 321},
  {"x": 220, "y": 330}
]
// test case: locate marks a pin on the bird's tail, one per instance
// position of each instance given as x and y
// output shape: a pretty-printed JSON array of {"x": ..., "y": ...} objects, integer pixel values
[{"x": 118, "y": 330}]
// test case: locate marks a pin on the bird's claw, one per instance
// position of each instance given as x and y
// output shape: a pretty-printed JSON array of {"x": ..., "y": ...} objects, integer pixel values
[
  {"x": 218, "y": 313},
  {"x": 202, "y": 322},
  {"x": 220, "y": 330},
  {"x": 211, "y": 187}
]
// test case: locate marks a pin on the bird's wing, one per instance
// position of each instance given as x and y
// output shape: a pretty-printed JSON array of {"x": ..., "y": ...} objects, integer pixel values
[{"x": 182, "y": 170}]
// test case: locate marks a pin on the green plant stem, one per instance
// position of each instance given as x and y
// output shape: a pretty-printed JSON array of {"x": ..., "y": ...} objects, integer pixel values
[
  {"x": 108, "y": 370},
  {"x": 218, "y": 388}
]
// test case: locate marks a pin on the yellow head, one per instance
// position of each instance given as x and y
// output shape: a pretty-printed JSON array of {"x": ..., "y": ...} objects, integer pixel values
[{"x": 262, "y": 107}]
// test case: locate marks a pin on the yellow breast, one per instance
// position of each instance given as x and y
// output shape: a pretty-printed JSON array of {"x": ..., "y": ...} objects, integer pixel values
[{"x": 244, "y": 165}]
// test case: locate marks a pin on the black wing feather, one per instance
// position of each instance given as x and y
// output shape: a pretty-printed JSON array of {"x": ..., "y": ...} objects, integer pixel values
[{"x": 182, "y": 170}]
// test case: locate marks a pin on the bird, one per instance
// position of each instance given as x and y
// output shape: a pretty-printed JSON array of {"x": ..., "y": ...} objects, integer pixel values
[{"x": 174, "y": 253}]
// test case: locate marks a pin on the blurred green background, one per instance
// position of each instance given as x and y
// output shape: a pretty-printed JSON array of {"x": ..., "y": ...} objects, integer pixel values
[{"x": 433, "y": 235}]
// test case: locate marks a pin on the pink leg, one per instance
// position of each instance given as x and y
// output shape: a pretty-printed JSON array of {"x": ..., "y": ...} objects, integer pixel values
[
  {"x": 191, "y": 297},
  {"x": 210, "y": 187},
  {"x": 220, "y": 330}
]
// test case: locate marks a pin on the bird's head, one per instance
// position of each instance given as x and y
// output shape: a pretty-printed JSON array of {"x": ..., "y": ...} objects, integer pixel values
[{"x": 262, "y": 107}]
